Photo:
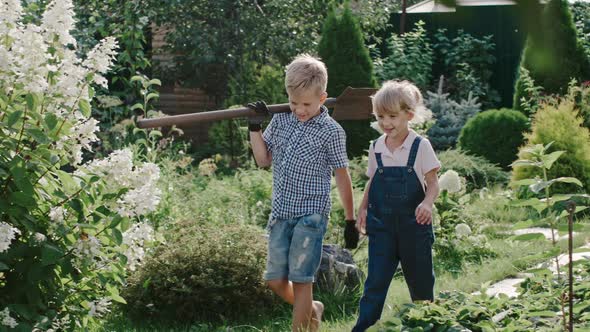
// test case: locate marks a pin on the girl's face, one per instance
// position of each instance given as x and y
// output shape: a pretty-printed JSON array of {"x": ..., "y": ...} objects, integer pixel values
[{"x": 394, "y": 124}]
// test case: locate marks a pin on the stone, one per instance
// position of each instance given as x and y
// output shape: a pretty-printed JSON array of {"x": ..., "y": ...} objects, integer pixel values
[{"x": 337, "y": 269}]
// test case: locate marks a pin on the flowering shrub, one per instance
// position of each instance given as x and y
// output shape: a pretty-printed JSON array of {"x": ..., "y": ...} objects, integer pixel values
[{"x": 66, "y": 231}]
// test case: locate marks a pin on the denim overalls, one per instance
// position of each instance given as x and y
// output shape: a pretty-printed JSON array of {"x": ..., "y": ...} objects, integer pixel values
[{"x": 395, "y": 236}]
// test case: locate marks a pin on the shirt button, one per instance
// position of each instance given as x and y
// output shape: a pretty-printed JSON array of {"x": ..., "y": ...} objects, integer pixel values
[{"x": 380, "y": 170}]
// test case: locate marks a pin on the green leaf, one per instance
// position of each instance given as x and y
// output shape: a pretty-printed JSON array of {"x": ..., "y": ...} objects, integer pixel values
[
  {"x": 569, "y": 180},
  {"x": 543, "y": 313},
  {"x": 13, "y": 118},
  {"x": 67, "y": 181},
  {"x": 116, "y": 221},
  {"x": 137, "y": 106},
  {"x": 152, "y": 95},
  {"x": 529, "y": 237},
  {"x": 50, "y": 254},
  {"x": 524, "y": 182},
  {"x": 3, "y": 267},
  {"x": 38, "y": 135},
  {"x": 23, "y": 199},
  {"x": 155, "y": 81},
  {"x": 117, "y": 235},
  {"x": 549, "y": 159},
  {"x": 155, "y": 133},
  {"x": 118, "y": 298},
  {"x": 136, "y": 78},
  {"x": 525, "y": 163},
  {"x": 50, "y": 121},
  {"x": 541, "y": 272},
  {"x": 85, "y": 108},
  {"x": 32, "y": 101}
]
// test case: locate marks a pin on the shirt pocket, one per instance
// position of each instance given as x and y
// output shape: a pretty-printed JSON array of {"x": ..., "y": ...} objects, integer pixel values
[{"x": 310, "y": 150}]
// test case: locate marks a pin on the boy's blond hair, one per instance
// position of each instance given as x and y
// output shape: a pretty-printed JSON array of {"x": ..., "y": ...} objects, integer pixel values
[
  {"x": 400, "y": 96},
  {"x": 306, "y": 72}
]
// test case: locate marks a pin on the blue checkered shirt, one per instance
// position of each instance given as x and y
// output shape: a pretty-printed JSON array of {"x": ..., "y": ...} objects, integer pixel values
[{"x": 304, "y": 154}]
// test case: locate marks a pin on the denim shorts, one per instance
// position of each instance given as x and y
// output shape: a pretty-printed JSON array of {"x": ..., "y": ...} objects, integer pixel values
[{"x": 295, "y": 248}]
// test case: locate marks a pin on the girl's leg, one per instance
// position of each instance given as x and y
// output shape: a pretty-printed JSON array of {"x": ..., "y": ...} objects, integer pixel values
[{"x": 383, "y": 262}]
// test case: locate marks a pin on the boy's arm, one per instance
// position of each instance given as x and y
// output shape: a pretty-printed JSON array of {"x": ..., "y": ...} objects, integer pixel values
[
  {"x": 424, "y": 210},
  {"x": 260, "y": 150},
  {"x": 344, "y": 184}
]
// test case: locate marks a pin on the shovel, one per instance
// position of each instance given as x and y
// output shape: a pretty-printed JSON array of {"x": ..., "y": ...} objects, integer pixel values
[{"x": 352, "y": 104}]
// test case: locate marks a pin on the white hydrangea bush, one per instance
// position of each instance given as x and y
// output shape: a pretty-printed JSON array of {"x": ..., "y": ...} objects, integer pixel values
[{"x": 69, "y": 230}]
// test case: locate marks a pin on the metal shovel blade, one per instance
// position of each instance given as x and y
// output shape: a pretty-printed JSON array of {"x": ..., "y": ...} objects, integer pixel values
[{"x": 352, "y": 104}]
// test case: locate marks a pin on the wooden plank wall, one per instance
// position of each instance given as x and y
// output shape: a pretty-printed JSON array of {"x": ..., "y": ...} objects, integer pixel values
[{"x": 179, "y": 100}]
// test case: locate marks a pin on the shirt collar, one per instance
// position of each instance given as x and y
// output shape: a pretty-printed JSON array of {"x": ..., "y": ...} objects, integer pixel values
[
  {"x": 380, "y": 146},
  {"x": 316, "y": 120}
]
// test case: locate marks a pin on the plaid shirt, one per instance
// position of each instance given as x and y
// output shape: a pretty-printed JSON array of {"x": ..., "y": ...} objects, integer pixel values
[{"x": 304, "y": 154}]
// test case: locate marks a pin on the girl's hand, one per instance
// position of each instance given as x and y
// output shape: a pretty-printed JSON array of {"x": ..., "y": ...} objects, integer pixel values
[
  {"x": 424, "y": 213},
  {"x": 361, "y": 222}
]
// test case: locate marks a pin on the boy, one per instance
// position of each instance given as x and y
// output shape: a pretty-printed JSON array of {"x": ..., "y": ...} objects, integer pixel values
[
  {"x": 304, "y": 147},
  {"x": 396, "y": 211}
]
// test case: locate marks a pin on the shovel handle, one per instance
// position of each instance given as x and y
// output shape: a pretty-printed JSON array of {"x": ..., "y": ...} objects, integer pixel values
[{"x": 242, "y": 112}]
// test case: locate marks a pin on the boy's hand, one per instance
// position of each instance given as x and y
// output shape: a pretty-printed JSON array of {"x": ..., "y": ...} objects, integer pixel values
[
  {"x": 361, "y": 222},
  {"x": 424, "y": 213},
  {"x": 254, "y": 122},
  {"x": 351, "y": 235}
]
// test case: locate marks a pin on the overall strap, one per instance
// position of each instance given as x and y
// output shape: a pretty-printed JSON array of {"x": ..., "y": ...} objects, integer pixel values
[
  {"x": 414, "y": 151},
  {"x": 377, "y": 156}
]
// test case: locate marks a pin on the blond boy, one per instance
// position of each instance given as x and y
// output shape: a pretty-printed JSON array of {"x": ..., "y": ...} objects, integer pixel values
[{"x": 304, "y": 147}]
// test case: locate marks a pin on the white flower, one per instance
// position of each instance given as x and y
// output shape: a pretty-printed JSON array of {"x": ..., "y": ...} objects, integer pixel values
[
  {"x": 58, "y": 20},
  {"x": 57, "y": 214},
  {"x": 38, "y": 238},
  {"x": 450, "y": 181},
  {"x": 102, "y": 56},
  {"x": 375, "y": 125},
  {"x": 10, "y": 13},
  {"x": 7, "y": 234},
  {"x": 99, "y": 308},
  {"x": 87, "y": 247},
  {"x": 135, "y": 239},
  {"x": 6, "y": 319},
  {"x": 462, "y": 230}
]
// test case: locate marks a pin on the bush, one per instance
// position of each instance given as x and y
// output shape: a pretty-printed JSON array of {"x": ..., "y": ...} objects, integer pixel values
[
  {"x": 204, "y": 272},
  {"x": 477, "y": 171},
  {"x": 561, "y": 124},
  {"x": 480, "y": 135}
]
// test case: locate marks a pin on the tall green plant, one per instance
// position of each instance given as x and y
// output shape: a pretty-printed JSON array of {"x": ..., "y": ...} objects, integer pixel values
[
  {"x": 343, "y": 51},
  {"x": 410, "y": 58},
  {"x": 553, "y": 54}
]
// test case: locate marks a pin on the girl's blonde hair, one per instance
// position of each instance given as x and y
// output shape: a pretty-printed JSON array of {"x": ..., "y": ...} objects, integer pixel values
[
  {"x": 400, "y": 96},
  {"x": 306, "y": 73}
]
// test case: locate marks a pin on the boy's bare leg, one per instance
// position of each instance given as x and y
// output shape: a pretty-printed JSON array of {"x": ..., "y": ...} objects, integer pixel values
[
  {"x": 284, "y": 289},
  {"x": 303, "y": 306}
]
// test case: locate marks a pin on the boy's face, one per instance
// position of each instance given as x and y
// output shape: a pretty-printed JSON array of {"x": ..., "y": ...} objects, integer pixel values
[
  {"x": 394, "y": 124},
  {"x": 305, "y": 104}
]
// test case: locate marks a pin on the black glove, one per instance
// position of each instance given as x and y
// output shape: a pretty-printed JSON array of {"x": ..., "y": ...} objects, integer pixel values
[
  {"x": 351, "y": 235},
  {"x": 254, "y": 122}
]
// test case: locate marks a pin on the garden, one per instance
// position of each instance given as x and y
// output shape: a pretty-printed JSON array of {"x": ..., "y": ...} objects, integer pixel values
[{"x": 106, "y": 226}]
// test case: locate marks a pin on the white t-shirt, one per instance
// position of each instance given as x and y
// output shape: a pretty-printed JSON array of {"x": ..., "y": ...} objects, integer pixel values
[{"x": 426, "y": 159}]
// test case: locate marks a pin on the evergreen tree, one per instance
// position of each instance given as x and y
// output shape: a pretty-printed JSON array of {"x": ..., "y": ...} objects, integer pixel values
[
  {"x": 553, "y": 54},
  {"x": 450, "y": 117},
  {"x": 343, "y": 51}
]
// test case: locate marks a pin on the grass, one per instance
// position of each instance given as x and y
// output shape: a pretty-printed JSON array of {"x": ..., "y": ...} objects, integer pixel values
[{"x": 341, "y": 306}]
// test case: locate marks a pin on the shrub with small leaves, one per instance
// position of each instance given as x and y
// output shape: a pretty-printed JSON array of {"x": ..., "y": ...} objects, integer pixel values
[
  {"x": 478, "y": 171},
  {"x": 480, "y": 135},
  {"x": 203, "y": 272}
]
